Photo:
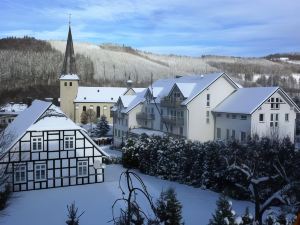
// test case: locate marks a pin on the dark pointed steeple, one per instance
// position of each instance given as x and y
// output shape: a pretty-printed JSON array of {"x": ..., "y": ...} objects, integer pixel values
[{"x": 69, "y": 66}]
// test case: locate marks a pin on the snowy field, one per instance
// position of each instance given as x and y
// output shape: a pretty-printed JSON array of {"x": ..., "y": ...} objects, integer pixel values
[{"x": 48, "y": 207}]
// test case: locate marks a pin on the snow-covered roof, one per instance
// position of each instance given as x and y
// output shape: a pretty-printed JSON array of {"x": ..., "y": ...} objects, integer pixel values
[
  {"x": 245, "y": 100},
  {"x": 139, "y": 131},
  {"x": 12, "y": 108},
  {"x": 40, "y": 116},
  {"x": 136, "y": 90},
  {"x": 127, "y": 99},
  {"x": 190, "y": 85},
  {"x": 186, "y": 88},
  {"x": 25, "y": 119},
  {"x": 69, "y": 77},
  {"x": 131, "y": 101},
  {"x": 99, "y": 94},
  {"x": 53, "y": 119}
]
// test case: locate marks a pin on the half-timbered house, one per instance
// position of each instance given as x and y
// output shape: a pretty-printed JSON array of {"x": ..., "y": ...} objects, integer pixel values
[{"x": 43, "y": 148}]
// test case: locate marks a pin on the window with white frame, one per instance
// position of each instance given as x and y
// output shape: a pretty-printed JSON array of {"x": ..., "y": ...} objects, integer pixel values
[
  {"x": 40, "y": 172},
  {"x": 208, "y": 100},
  {"x": 286, "y": 117},
  {"x": 37, "y": 143},
  {"x": 261, "y": 117},
  {"x": 274, "y": 117},
  {"x": 275, "y": 103},
  {"x": 243, "y": 117},
  {"x": 207, "y": 116},
  {"x": 243, "y": 136},
  {"x": 82, "y": 168},
  {"x": 69, "y": 142},
  {"x": 20, "y": 174},
  {"x": 218, "y": 133}
]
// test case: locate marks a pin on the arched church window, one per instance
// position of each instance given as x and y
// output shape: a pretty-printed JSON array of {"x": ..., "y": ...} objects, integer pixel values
[
  {"x": 84, "y": 108},
  {"x": 70, "y": 83}
]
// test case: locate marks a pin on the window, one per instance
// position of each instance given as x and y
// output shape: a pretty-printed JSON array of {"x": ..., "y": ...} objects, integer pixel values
[
  {"x": 70, "y": 83},
  {"x": 37, "y": 144},
  {"x": 218, "y": 133},
  {"x": 227, "y": 134},
  {"x": 261, "y": 118},
  {"x": 84, "y": 108},
  {"x": 82, "y": 168},
  {"x": 207, "y": 116},
  {"x": 243, "y": 136},
  {"x": 181, "y": 131},
  {"x": 233, "y": 116},
  {"x": 40, "y": 172},
  {"x": 69, "y": 142},
  {"x": 233, "y": 134},
  {"x": 275, "y": 103},
  {"x": 274, "y": 117},
  {"x": 111, "y": 112},
  {"x": 66, "y": 84},
  {"x": 20, "y": 174},
  {"x": 286, "y": 117},
  {"x": 243, "y": 117},
  {"x": 98, "y": 111},
  {"x": 208, "y": 100}
]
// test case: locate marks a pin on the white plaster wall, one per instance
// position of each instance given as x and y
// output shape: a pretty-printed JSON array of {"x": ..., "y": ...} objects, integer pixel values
[
  {"x": 197, "y": 128},
  {"x": 230, "y": 123},
  {"x": 286, "y": 128}
]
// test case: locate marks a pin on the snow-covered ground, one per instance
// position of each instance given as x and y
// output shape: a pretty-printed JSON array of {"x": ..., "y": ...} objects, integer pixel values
[{"x": 48, "y": 207}]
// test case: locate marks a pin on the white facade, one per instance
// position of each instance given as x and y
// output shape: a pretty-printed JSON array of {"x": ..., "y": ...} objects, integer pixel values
[{"x": 205, "y": 108}]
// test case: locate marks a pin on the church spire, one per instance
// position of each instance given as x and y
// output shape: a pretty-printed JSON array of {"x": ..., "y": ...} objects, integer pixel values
[{"x": 69, "y": 66}]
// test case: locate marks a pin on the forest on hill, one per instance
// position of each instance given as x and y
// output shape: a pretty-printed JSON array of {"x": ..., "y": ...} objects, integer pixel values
[{"x": 31, "y": 67}]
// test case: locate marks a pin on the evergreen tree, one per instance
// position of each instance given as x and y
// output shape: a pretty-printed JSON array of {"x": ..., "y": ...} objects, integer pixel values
[
  {"x": 168, "y": 208},
  {"x": 247, "y": 218},
  {"x": 102, "y": 127},
  {"x": 130, "y": 154},
  {"x": 224, "y": 215}
]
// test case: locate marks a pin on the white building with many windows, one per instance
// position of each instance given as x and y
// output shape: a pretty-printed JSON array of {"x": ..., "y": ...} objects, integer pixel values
[
  {"x": 43, "y": 148},
  {"x": 204, "y": 108}
]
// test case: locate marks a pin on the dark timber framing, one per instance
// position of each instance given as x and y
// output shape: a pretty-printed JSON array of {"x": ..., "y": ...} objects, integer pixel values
[{"x": 61, "y": 164}]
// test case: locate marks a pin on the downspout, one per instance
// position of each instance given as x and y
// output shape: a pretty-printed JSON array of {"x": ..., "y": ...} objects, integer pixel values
[
  {"x": 187, "y": 124},
  {"x": 214, "y": 117}
]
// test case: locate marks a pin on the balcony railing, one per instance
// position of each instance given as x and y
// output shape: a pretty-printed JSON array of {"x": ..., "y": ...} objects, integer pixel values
[
  {"x": 172, "y": 103},
  {"x": 173, "y": 120},
  {"x": 145, "y": 116}
]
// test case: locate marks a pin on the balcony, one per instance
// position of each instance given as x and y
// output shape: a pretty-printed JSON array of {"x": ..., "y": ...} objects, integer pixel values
[
  {"x": 145, "y": 116},
  {"x": 171, "y": 102},
  {"x": 173, "y": 120}
]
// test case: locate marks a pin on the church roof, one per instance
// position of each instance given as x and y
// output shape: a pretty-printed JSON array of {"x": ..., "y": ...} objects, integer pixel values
[
  {"x": 99, "y": 94},
  {"x": 69, "y": 77},
  {"x": 69, "y": 65}
]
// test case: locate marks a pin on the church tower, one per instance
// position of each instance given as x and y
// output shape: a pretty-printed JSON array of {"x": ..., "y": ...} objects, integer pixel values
[{"x": 69, "y": 80}]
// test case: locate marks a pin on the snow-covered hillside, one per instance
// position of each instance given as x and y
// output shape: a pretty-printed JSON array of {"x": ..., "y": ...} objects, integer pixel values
[{"x": 49, "y": 206}]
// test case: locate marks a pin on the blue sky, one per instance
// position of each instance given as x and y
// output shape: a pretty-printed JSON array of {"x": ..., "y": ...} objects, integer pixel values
[{"x": 189, "y": 27}]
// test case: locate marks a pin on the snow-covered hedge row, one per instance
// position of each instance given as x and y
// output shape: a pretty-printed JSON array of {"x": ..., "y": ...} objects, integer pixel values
[{"x": 212, "y": 165}]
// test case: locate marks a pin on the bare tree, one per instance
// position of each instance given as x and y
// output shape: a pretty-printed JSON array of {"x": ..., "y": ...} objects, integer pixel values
[{"x": 255, "y": 186}]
